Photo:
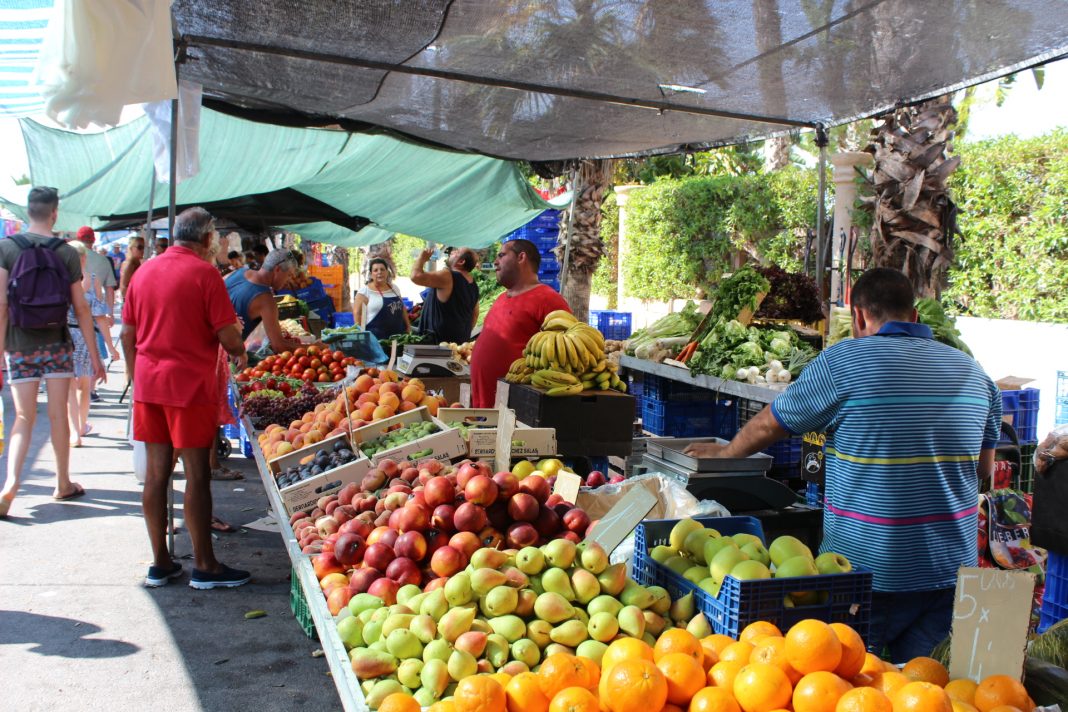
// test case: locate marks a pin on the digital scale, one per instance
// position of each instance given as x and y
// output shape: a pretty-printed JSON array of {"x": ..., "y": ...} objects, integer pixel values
[{"x": 427, "y": 360}]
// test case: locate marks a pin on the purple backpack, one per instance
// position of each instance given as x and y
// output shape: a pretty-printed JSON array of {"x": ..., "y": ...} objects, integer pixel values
[{"x": 38, "y": 285}]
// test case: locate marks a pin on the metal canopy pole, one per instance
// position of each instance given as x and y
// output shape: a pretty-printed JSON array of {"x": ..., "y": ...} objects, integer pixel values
[
  {"x": 570, "y": 222},
  {"x": 821, "y": 247}
]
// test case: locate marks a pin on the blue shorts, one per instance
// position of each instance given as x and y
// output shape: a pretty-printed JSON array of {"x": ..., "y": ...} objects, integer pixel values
[{"x": 909, "y": 624}]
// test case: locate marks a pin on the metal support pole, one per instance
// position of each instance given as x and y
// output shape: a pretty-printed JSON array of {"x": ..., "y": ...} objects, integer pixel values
[
  {"x": 570, "y": 222},
  {"x": 148, "y": 215},
  {"x": 174, "y": 171},
  {"x": 821, "y": 246}
]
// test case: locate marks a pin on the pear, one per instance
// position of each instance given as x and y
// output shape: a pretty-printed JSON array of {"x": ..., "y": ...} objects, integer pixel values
[
  {"x": 661, "y": 554},
  {"x": 455, "y": 623},
  {"x": 654, "y": 623},
  {"x": 592, "y": 650},
  {"x": 400, "y": 608},
  {"x": 585, "y": 586},
  {"x": 406, "y": 593},
  {"x": 699, "y": 627},
  {"x": 648, "y": 639},
  {"x": 569, "y": 633},
  {"x": 350, "y": 631},
  {"x": 832, "y": 563},
  {"x": 695, "y": 573},
  {"x": 787, "y": 547},
  {"x": 593, "y": 557},
  {"x": 581, "y": 615},
  {"x": 372, "y": 631},
  {"x": 538, "y": 631},
  {"x": 535, "y": 584},
  {"x": 553, "y": 607},
  {"x": 711, "y": 585},
  {"x": 488, "y": 559},
  {"x": 661, "y": 599},
  {"x": 408, "y": 673},
  {"x": 461, "y": 665},
  {"x": 381, "y": 690},
  {"x": 434, "y": 604},
  {"x": 555, "y": 580},
  {"x": 694, "y": 545},
  {"x": 363, "y": 602},
  {"x": 796, "y": 567},
  {"x": 682, "y": 609},
  {"x": 605, "y": 603},
  {"x": 678, "y": 564},
  {"x": 437, "y": 650},
  {"x": 714, "y": 546},
  {"x": 613, "y": 579},
  {"x": 634, "y": 594},
  {"x": 501, "y": 601},
  {"x": 757, "y": 552},
  {"x": 485, "y": 580},
  {"x": 560, "y": 553},
  {"x": 511, "y": 627},
  {"x": 424, "y": 627},
  {"x": 726, "y": 560},
  {"x": 379, "y": 646},
  {"x": 396, "y": 621},
  {"x": 515, "y": 577},
  {"x": 750, "y": 570},
  {"x": 524, "y": 607},
  {"x": 496, "y": 649},
  {"x": 481, "y": 625},
  {"x": 457, "y": 590},
  {"x": 435, "y": 676},
  {"x": 526, "y": 651},
  {"x": 402, "y": 644},
  {"x": 379, "y": 615},
  {"x": 424, "y": 697},
  {"x": 681, "y": 530},
  {"x": 554, "y": 648},
  {"x": 530, "y": 560},
  {"x": 603, "y": 626},
  {"x": 742, "y": 538},
  {"x": 515, "y": 667},
  {"x": 631, "y": 621},
  {"x": 472, "y": 642},
  {"x": 367, "y": 664}
]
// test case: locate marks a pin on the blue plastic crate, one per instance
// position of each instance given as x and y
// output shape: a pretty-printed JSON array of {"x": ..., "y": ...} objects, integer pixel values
[
  {"x": 550, "y": 282},
  {"x": 549, "y": 218},
  {"x": 667, "y": 389},
  {"x": 786, "y": 455},
  {"x": 323, "y": 307},
  {"x": 246, "y": 444},
  {"x": 689, "y": 419},
  {"x": 636, "y": 384},
  {"x": 549, "y": 264},
  {"x": 1022, "y": 407},
  {"x": 614, "y": 325},
  {"x": 844, "y": 598},
  {"x": 1055, "y": 597},
  {"x": 312, "y": 292},
  {"x": 341, "y": 319}
]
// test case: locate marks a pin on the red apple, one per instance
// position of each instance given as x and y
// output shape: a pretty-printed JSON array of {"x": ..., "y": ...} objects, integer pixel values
[
  {"x": 337, "y": 599},
  {"x": 439, "y": 491},
  {"x": 326, "y": 564},
  {"x": 447, "y": 561},
  {"x": 413, "y": 518},
  {"x": 465, "y": 542},
  {"x": 498, "y": 515},
  {"x": 522, "y": 534},
  {"x": 465, "y": 473},
  {"x": 349, "y": 548},
  {"x": 443, "y": 517},
  {"x": 523, "y": 507},
  {"x": 469, "y": 518},
  {"x": 547, "y": 523},
  {"x": 410, "y": 545},
  {"x": 362, "y": 579},
  {"x": 596, "y": 478},
  {"x": 507, "y": 484},
  {"x": 577, "y": 520},
  {"x": 537, "y": 487},
  {"x": 378, "y": 556},
  {"x": 404, "y": 571},
  {"x": 386, "y": 589}
]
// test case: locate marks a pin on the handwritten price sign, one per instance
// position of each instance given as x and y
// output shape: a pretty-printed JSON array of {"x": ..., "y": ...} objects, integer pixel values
[{"x": 991, "y": 614}]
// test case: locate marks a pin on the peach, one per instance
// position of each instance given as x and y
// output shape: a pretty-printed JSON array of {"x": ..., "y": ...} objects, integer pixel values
[
  {"x": 390, "y": 400},
  {"x": 412, "y": 393},
  {"x": 382, "y": 411},
  {"x": 405, "y": 406},
  {"x": 363, "y": 383}
]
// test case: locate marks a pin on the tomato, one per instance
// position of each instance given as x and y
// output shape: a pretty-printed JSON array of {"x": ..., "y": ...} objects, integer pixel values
[
  {"x": 309, "y": 375},
  {"x": 323, "y": 378},
  {"x": 285, "y": 355},
  {"x": 304, "y": 361},
  {"x": 291, "y": 362},
  {"x": 338, "y": 377},
  {"x": 242, "y": 377},
  {"x": 296, "y": 372},
  {"x": 327, "y": 357},
  {"x": 338, "y": 356},
  {"x": 315, "y": 363},
  {"x": 313, "y": 350},
  {"x": 300, "y": 352}
]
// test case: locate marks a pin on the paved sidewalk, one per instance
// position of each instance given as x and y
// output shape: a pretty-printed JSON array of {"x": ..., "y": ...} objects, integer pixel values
[{"x": 79, "y": 632}]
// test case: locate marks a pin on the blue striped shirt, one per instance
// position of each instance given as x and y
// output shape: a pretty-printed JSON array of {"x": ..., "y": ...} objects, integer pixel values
[{"x": 905, "y": 418}]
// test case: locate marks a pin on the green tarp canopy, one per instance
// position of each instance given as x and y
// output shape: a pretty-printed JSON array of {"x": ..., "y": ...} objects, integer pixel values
[{"x": 331, "y": 182}]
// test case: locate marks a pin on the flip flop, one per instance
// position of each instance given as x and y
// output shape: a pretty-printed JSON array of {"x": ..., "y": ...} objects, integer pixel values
[
  {"x": 79, "y": 491},
  {"x": 5, "y": 507},
  {"x": 219, "y": 525}
]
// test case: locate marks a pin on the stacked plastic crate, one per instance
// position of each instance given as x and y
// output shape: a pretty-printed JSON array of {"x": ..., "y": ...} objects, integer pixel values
[
  {"x": 614, "y": 325},
  {"x": 543, "y": 231},
  {"x": 1020, "y": 409},
  {"x": 680, "y": 410}
]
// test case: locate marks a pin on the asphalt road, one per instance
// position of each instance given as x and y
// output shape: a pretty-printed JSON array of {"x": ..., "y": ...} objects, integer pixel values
[{"x": 79, "y": 632}]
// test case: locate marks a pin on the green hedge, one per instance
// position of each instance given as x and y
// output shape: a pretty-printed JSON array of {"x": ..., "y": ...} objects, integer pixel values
[{"x": 1012, "y": 260}]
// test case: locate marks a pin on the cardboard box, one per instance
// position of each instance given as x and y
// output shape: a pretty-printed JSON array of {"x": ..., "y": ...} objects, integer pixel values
[
  {"x": 443, "y": 445},
  {"x": 482, "y": 435},
  {"x": 449, "y": 386},
  {"x": 284, "y": 462},
  {"x": 596, "y": 423},
  {"x": 302, "y": 496}
]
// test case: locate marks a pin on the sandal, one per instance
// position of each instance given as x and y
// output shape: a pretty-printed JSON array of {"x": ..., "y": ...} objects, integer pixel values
[
  {"x": 5, "y": 507},
  {"x": 79, "y": 491},
  {"x": 225, "y": 473},
  {"x": 219, "y": 525}
]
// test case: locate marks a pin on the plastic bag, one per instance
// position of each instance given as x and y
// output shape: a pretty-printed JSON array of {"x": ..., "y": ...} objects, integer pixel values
[{"x": 1054, "y": 447}]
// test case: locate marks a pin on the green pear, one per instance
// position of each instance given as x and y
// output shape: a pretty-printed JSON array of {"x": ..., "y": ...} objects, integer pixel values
[
  {"x": 694, "y": 545},
  {"x": 648, "y": 639},
  {"x": 592, "y": 650},
  {"x": 832, "y": 563},
  {"x": 526, "y": 651},
  {"x": 350, "y": 631},
  {"x": 434, "y": 676},
  {"x": 455, "y": 623},
  {"x": 379, "y": 646},
  {"x": 661, "y": 599},
  {"x": 488, "y": 559},
  {"x": 364, "y": 602},
  {"x": 434, "y": 604},
  {"x": 515, "y": 577},
  {"x": 398, "y": 608},
  {"x": 750, "y": 570},
  {"x": 535, "y": 584},
  {"x": 560, "y": 553},
  {"x": 682, "y": 609},
  {"x": 366, "y": 616},
  {"x": 634, "y": 594},
  {"x": 511, "y": 627},
  {"x": 654, "y": 623},
  {"x": 424, "y": 697},
  {"x": 741, "y": 539},
  {"x": 613, "y": 579},
  {"x": 501, "y": 601},
  {"x": 424, "y": 627},
  {"x": 485, "y": 580},
  {"x": 372, "y": 631},
  {"x": 569, "y": 633},
  {"x": 406, "y": 592},
  {"x": 585, "y": 586},
  {"x": 530, "y": 560},
  {"x": 416, "y": 601},
  {"x": 554, "y": 648},
  {"x": 714, "y": 546},
  {"x": 496, "y": 649},
  {"x": 408, "y": 673},
  {"x": 796, "y": 567},
  {"x": 524, "y": 606},
  {"x": 481, "y": 625},
  {"x": 593, "y": 557},
  {"x": 437, "y": 650},
  {"x": 726, "y": 560},
  {"x": 679, "y": 532},
  {"x": 402, "y": 644},
  {"x": 382, "y": 690},
  {"x": 555, "y": 580},
  {"x": 457, "y": 590},
  {"x": 699, "y": 627},
  {"x": 695, "y": 573},
  {"x": 787, "y": 547},
  {"x": 631, "y": 621},
  {"x": 367, "y": 663},
  {"x": 461, "y": 665},
  {"x": 660, "y": 554},
  {"x": 538, "y": 631},
  {"x": 581, "y": 615},
  {"x": 603, "y": 626},
  {"x": 678, "y": 564},
  {"x": 553, "y": 607},
  {"x": 603, "y": 603},
  {"x": 711, "y": 585},
  {"x": 381, "y": 614},
  {"x": 396, "y": 621},
  {"x": 757, "y": 552}
]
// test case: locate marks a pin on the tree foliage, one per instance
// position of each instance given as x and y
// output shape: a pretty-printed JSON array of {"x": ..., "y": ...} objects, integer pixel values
[
  {"x": 606, "y": 277},
  {"x": 1012, "y": 261}
]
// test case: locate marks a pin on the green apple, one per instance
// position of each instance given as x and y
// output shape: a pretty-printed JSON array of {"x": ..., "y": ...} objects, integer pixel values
[
  {"x": 741, "y": 539},
  {"x": 695, "y": 573},
  {"x": 757, "y": 552},
  {"x": 726, "y": 560},
  {"x": 787, "y": 547},
  {"x": 695, "y": 544},
  {"x": 713, "y": 547},
  {"x": 678, "y": 564},
  {"x": 832, "y": 563},
  {"x": 750, "y": 570},
  {"x": 661, "y": 554},
  {"x": 681, "y": 530},
  {"x": 709, "y": 584},
  {"x": 796, "y": 566}
]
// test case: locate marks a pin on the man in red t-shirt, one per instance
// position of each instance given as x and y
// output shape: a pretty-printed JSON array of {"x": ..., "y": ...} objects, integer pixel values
[
  {"x": 175, "y": 316},
  {"x": 512, "y": 320}
]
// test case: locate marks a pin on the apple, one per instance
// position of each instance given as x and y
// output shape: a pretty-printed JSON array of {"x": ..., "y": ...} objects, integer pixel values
[
  {"x": 434, "y": 583},
  {"x": 378, "y": 556},
  {"x": 443, "y": 517},
  {"x": 362, "y": 579},
  {"x": 480, "y": 490},
  {"x": 435, "y": 539},
  {"x": 547, "y": 522},
  {"x": 349, "y": 549},
  {"x": 576, "y": 520},
  {"x": 410, "y": 545},
  {"x": 404, "y": 571},
  {"x": 750, "y": 570},
  {"x": 787, "y": 547},
  {"x": 537, "y": 487},
  {"x": 498, "y": 516},
  {"x": 465, "y": 542},
  {"x": 385, "y": 589},
  {"x": 447, "y": 561},
  {"x": 439, "y": 491},
  {"x": 616, "y": 479},
  {"x": 466, "y": 471},
  {"x": 522, "y": 534},
  {"x": 596, "y": 478},
  {"x": 507, "y": 484},
  {"x": 522, "y": 507},
  {"x": 832, "y": 563},
  {"x": 413, "y": 517},
  {"x": 554, "y": 499},
  {"x": 326, "y": 564},
  {"x": 470, "y": 517}
]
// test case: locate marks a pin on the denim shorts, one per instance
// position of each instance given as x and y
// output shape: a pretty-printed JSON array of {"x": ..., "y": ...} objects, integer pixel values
[{"x": 909, "y": 624}]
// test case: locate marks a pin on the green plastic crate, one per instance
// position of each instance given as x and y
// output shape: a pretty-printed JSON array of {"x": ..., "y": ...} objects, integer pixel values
[
  {"x": 299, "y": 605},
  {"x": 1026, "y": 476}
]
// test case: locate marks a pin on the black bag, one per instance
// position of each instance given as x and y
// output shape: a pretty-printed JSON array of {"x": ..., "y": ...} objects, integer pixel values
[{"x": 1049, "y": 525}]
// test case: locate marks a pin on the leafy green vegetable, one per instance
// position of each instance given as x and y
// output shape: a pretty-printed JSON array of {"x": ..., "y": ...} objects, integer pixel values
[
  {"x": 729, "y": 347},
  {"x": 943, "y": 327},
  {"x": 738, "y": 292},
  {"x": 680, "y": 323}
]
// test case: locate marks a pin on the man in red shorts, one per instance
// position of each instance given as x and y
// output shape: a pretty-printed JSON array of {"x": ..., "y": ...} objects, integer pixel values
[
  {"x": 175, "y": 316},
  {"x": 512, "y": 320}
]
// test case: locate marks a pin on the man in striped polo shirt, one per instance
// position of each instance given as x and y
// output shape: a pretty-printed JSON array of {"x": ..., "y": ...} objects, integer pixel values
[{"x": 911, "y": 428}]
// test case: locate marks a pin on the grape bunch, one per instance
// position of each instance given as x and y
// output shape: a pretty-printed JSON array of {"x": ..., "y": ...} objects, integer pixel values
[{"x": 283, "y": 411}]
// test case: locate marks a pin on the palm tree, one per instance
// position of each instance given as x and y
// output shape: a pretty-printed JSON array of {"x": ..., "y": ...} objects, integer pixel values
[{"x": 593, "y": 178}]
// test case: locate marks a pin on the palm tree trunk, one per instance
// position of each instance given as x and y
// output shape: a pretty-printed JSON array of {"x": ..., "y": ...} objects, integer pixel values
[{"x": 592, "y": 181}]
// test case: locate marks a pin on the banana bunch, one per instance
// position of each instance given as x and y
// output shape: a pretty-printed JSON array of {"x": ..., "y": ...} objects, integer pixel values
[
  {"x": 567, "y": 357},
  {"x": 519, "y": 372}
]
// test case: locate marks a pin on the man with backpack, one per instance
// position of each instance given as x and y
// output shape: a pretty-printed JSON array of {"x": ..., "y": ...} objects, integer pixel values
[{"x": 40, "y": 279}]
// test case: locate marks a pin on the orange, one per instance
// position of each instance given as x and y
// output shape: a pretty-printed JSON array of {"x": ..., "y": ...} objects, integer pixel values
[
  {"x": 962, "y": 689},
  {"x": 672, "y": 708},
  {"x": 757, "y": 630},
  {"x": 593, "y": 673},
  {"x": 999, "y": 690},
  {"x": 574, "y": 699},
  {"x": 739, "y": 652},
  {"x": 714, "y": 699},
  {"x": 812, "y": 646},
  {"x": 864, "y": 699},
  {"x": 625, "y": 649},
  {"x": 888, "y": 682},
  {"x": 718, "y": 641},
  {"x": 684, "y": 676},
  {"x": 560, "y": 671},
  {"x": 399, "y": 702},
  {"x": 479, "y": 693},
  {"x": 1006, "y": 708},
  {"x": 524, "y": 694},
  {"x": 959, "y": 706},
  {"x": 760, "y": 687},
  {"x": 924, "y": 669},
  {"x": 773, "y": 651},
  {"x": 711, "y": 655},
  {"x": 921, "y": 696},
  {"x": 872, "y": 664},
  {"x": 722, "y": 674},
  {"x": 819, "y": 692},
  {"x": 442, "y": 706},
  {"x": 502, "y": 678},
  {"x": 678, "y": 640},
  {"x": 854, "y": 654},
  {"x": 635, "y": 686}
]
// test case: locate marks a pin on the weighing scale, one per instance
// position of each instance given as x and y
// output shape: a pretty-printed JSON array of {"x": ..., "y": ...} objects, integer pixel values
[
  {"x": 739, "y": 484},
  {"x": 426, "y": 360}
]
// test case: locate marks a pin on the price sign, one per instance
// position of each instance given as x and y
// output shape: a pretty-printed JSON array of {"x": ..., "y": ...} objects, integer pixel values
[
  {"x": 567, "y": 486},
  {"x": 991, "y": 613},
  {"x": 505, "y": 428}
]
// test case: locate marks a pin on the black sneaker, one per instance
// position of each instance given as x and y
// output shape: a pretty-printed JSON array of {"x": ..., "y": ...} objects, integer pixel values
[
  {"x": 225, "y": 578},
  {"x": 94, "y": 397},
  {"x": 158, "y": 576}
]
